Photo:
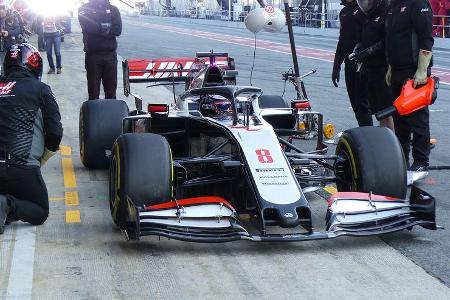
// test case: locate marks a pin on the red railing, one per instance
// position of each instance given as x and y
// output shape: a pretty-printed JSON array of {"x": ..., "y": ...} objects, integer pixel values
[{"x": 441, "y": 26}]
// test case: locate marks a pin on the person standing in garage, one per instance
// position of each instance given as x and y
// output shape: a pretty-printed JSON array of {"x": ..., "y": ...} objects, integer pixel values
[
  {"x": 352, "y": 18},
  {"x": 101, "y": 24},
  {"x": 52, "y": 37},
  {"x": 409, "y": 43}
]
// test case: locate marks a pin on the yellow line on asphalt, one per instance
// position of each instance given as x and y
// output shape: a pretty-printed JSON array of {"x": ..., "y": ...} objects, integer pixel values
[
  {"x": 330, "y": 189},
  {"x": 56, "y": 199},
  {"x": 70, "y": 180},
  {"x": 65, "y": 150},
  {"x": 73, "y": 216},
  {"x": 72, "y": 198}
]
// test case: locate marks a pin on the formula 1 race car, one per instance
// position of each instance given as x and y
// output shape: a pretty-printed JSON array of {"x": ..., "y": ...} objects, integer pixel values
[{"x": 222, "y": 163}]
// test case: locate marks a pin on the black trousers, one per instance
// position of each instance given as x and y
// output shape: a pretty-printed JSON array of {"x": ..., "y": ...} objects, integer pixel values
[
  {"x": 379, "y": 94},
  {"x": 101, "y": 68},
  {"x": 357, "y": 92},
  {"x": 27, "y": 194},
  {"x": 417, "y": 123}
]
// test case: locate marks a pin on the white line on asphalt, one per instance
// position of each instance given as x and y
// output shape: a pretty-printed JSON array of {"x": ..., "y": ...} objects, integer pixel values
[
  {"x": 6, "y": 243},
  {"x": 440, "y": 51},
  {"x": 20, "y": 284}
]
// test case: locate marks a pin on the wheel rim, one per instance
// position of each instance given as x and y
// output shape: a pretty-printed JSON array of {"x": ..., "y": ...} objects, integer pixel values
[
  {"x": 113, "y": 187},
  {"x": 112, "y": 183},
  {"x": 344, "y": 171}
]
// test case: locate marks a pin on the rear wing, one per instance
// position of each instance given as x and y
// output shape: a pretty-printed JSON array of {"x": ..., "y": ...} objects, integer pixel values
[{"x": 169, "y": 69}]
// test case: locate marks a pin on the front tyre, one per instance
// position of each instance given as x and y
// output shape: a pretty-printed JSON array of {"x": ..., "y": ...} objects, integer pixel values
[
  {"x": 141, "y": 170},
  {"x": 370, "y": 159}
]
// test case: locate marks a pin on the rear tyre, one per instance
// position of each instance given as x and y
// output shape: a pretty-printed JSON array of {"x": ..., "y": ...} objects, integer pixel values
[
  {"x": 370, "y": 159},
  {"x": 99, "y": 126},
  {"x": 141, "y": 169}
]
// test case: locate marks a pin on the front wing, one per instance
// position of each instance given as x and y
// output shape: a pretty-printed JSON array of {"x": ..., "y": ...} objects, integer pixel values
[{"x": 213, "y": 219}]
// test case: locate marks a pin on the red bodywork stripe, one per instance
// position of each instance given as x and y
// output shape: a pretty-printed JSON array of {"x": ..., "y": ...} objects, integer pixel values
[
  {"x": 140, "y": 66},
  {"x": 355, "y": 195},
  {"x": 190, "y": 201}
]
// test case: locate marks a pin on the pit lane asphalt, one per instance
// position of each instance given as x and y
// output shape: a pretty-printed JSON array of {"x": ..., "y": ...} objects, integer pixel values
[{"x": 91, "y": 259}]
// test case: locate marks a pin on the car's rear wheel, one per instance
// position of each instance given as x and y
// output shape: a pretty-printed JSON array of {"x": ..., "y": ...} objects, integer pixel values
[
  {"x": 100, "y": 124},
  {"x": 370, "y": 159},
  {"x": 141, "y": 169}
]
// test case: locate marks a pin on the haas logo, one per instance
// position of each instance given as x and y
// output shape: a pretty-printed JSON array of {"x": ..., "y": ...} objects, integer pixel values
[
  {"x": 269, "y": 9},
  {"x": 5, "y": 88},
  {"x": 14, "y": 53}
]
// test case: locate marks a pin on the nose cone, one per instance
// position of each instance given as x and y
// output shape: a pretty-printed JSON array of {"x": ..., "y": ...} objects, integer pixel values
[{"x": 288, "y": 218}]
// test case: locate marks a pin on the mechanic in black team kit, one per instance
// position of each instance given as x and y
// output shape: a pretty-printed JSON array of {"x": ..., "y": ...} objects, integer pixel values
[
  {"x": 409, "y": 43},
  {"x": 30, "y": 133},
  {"x": 101, "y": 24},
  {"x": 370, "y": 55},
  {"x": 352, "y": 18}
]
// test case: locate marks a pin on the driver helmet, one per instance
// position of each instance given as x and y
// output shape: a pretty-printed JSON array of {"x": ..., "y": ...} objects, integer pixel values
[
  {"x": 217, "y": 108},
  {"x": 23, "y": 56}
]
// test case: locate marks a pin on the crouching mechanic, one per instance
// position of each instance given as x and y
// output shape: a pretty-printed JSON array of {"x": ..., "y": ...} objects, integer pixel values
[{"x": 30, "y": 133}]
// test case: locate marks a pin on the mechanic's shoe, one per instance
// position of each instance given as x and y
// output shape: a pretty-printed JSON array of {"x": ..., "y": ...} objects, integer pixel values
[
  {"x": 4, "y": 211},
  {"x": 58, "y": 71},
  {"x": 418, "y": 166},
  {"x": 51, "y": 71}
]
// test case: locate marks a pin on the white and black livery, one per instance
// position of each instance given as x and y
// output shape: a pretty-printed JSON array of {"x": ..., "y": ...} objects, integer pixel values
[{"x": 220, "y": 164}]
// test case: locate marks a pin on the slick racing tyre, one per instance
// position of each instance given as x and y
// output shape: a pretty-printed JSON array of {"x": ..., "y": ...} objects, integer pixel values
[
  {"x": 370, "y": 159},
  {"x": 272, "y": 101},
  {"x": 141, "y": 170},
  {"x": 100, "y": 125}
]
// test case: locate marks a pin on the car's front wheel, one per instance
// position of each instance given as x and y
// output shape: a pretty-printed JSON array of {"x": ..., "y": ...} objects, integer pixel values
[
  {"x": 141, "y": 170},
  {"x": 370, "y": 159}
]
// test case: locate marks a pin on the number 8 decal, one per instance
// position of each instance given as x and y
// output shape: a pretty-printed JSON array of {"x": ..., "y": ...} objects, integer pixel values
[{"x": 264, "y": 156}]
